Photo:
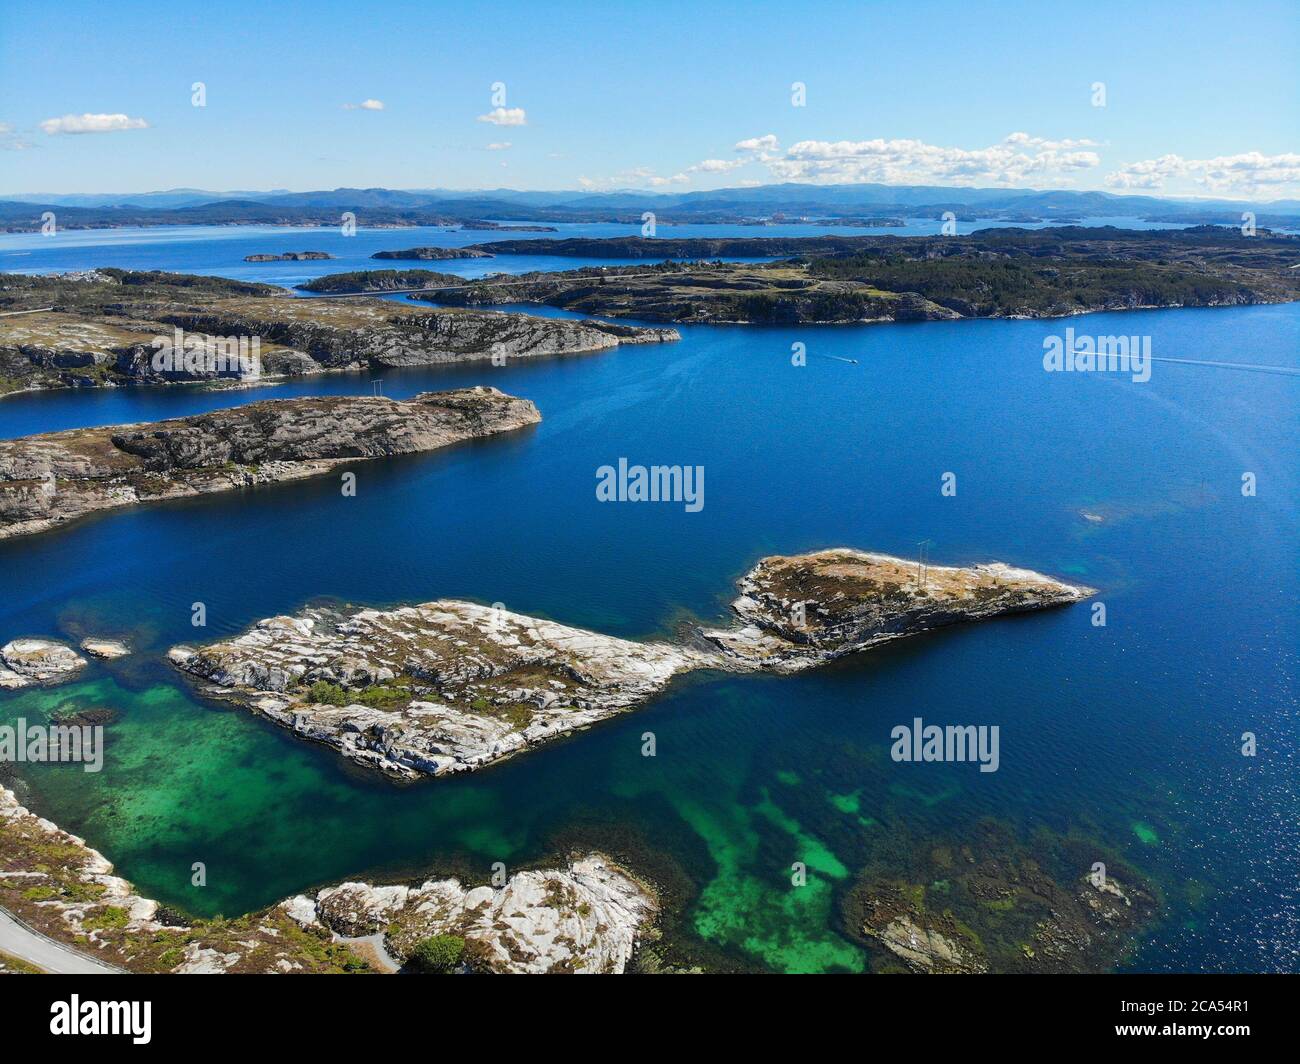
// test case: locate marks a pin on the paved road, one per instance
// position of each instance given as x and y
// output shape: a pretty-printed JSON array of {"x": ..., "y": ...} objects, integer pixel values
[{"x": 44, "y": 952}]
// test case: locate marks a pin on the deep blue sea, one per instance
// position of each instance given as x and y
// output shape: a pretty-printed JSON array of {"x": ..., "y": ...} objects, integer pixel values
[{"x": 1128, "y": 734}]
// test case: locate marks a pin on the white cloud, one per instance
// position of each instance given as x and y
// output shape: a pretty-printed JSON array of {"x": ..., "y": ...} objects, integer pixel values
[
  {"x": 365, "y": 105},
  {"x": 717, "y": 166},
  {"x": 1248, "y": 173},
  {"x": 499, "y": 145},
  {"x": 1012, "y": 161},
  {"x": 89, "y": 123},
  {"x": 505, "y": 116}
]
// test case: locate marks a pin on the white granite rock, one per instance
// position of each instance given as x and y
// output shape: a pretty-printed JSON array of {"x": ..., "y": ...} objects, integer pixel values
[
  {"x": 27, "y": 661},
  {"x": 105, "y": 648},
  {"x": 585, "y": 918}
]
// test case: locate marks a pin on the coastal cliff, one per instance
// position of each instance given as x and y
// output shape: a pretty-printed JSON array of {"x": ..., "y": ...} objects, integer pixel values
[
  {"x": 450, "y": 686},
  {"x": 50, "y": 479}
]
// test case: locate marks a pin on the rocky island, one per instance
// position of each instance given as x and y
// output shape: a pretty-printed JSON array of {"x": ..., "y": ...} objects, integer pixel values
[
  {"x": 110, "y": 327},
  {"x": 290, "y": 256},
  {"x": 452, "y": 686},
  {"x": 798, "y": 612},
  {"x": 50, "y": 479},
  {"x": 498, "y": 227},
  {"x": 585, "y": 917},
  {"x": 427, "y": 253}
]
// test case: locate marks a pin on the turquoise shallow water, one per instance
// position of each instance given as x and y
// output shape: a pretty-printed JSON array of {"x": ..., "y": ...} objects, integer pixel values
[{"x": 1128, "y": 734}]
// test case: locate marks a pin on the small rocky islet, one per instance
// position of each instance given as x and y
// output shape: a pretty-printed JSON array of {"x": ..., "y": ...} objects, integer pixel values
[
  {"x": 450, "y": 686},
  {"x": 28, "y": 661},
  {"x": 290, "y": 256},
  {"x": 434, "y": 253}
]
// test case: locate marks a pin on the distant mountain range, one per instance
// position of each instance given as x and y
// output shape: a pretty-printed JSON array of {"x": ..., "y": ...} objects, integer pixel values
[{"x": 756, "y": 205}]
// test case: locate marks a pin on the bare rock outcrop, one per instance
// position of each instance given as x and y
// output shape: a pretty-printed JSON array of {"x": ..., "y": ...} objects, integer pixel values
[
  {"x": 801, "y": 611},
  {"x": 56, "y": 477},
  {"x": 581, "y": 919},
  {"x": 29, "y": 661},
  {"x": 436, "y": 688}
]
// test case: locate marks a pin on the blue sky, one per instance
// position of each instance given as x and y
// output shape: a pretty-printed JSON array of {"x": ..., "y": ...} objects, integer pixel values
[{"x": 1200, "y": 98}]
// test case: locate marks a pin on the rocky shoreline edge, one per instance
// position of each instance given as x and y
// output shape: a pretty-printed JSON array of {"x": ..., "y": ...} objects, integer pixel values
[{"x": 586, "y": 917}]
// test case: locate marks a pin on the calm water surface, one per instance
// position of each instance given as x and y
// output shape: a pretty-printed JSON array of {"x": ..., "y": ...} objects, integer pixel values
[{"x": 1128, "y": 734}]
